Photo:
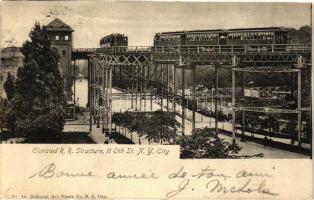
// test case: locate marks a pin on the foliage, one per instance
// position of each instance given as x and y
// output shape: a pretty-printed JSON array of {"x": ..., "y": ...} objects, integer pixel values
[
  {"x": 9, "y": 86},
  {"x": 204, "y": 143},
  {"x": 4, "y": 106},
  {"x": 301, "y": 36},
  {"x": 158, "y": 126},
  {"x": 38, "y": 107},
  {"x": 74, "y": 138},
  {"x": 161, "y": 126}
]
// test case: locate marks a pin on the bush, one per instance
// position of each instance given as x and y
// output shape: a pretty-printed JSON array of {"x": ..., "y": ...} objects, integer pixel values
[{"x": 204, "y": 143}]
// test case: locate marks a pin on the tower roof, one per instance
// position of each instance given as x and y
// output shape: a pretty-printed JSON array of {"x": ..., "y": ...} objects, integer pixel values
[
  {"x": 11, "y": 52},
  {"x": 58, "y": 25}
]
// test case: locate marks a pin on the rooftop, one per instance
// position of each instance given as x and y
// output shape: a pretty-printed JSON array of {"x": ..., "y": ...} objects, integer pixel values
[
  {"x": 11, "y": 52},
  {"x": 58, "y": 25}
]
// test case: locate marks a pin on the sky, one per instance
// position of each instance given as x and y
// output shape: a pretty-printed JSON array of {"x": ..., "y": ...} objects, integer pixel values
[{"x": 92, "y": 20}]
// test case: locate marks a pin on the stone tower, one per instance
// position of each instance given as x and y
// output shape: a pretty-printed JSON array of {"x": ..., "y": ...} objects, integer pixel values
[{"x": 60, "y": 35}]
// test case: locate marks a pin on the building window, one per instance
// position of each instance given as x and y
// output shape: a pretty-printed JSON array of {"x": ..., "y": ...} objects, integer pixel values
[
  {"x": 66, "y": 37},
  {"x": 64, "y": 52},
  {"x": 57, "y": 37}
]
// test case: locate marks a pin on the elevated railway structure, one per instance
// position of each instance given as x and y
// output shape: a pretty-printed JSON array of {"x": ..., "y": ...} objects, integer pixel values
[{"x": 142, "y": 68}]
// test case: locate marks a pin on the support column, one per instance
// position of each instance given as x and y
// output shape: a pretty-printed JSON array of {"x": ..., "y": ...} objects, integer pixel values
[
  {"x": 74, "y": 87},
  {"x": 141, "y": 84},
  {"x": 145, "y": 86},
  {"x": 243, "y": 112},
  {"x": 106, "y": 94},
  {"x": 183, "y": 98},
  {"x": 151, "y": 87},
  {"x": 90, "y": 94},
  {"x": 174, "y": 87},
  {"x": 167, "y": 65},
  {"x": 136, "y": 86},
  {"x": 233, "y": 107},
  {"x": 299, "y": 108},
  {"x": 110, "y": 99},
  {"x": 216, "y": 99},
  {"x": 93, "y": 91},
  {"x": 174, "y": 94},
  {"x": 162, "y": 87},
  {"x": 103, "y": 94},
  {"x": 98, "y": 92},
  {"x": 132, "y": 87},
  {"x": 193, "y": 97}
]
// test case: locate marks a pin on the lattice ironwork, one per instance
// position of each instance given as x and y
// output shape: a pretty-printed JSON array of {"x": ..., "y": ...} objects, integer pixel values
[{"x": 131, "y": 59}]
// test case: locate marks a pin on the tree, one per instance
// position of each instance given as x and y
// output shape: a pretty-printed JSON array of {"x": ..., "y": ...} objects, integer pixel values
[
  {"x": 204, "y": 143},
  {"x": 301, "y": 36},
  {"x": 161, "y": 127},
  {"x": 38, "y": 107},
  {"x": 9, "y": 86}
]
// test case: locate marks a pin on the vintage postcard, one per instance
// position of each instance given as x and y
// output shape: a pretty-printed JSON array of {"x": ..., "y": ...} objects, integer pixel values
[{"x": 156, "y": 100}]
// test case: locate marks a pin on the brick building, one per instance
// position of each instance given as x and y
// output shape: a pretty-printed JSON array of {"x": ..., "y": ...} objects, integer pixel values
[{"x": 60, "y": 35}]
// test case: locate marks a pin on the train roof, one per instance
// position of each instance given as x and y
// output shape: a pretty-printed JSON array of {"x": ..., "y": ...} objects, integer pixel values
[
  {"x": 170, "y": 32},
  {"x": 193, "y": 31},
  {"x": 225, "y": 30},
  {"x": 259, "y": 29},
  {"x": 199, "y": 31},
  {"x": 114, "y": 35}
]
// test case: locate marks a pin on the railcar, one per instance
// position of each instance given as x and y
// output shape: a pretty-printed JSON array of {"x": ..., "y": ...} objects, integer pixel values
[
  {"x": 114, "y": 42},
  {"x": 169, "y": 41},
  {"x": 255, "y": 39},
  {"x": 258, "y": 39}
]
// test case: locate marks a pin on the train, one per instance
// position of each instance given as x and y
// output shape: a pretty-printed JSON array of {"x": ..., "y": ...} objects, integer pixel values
[
  {"x": 113, "y": 40},
  {"x": 271, "y": 35},
  {"x": 259, "y": 38},
  {"x": 269, "y": 39}
]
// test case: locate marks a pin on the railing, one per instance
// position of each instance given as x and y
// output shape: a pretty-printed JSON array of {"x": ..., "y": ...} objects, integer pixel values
[
  {"x": 250, "y": 48},
  {"x": 117, "y": 49},
  {"x": 83, "y": 50},
  {"x": 204, "y": 49}
]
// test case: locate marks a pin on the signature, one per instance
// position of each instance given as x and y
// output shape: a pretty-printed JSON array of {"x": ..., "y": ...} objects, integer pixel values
[{"x": 216, "y": 186}]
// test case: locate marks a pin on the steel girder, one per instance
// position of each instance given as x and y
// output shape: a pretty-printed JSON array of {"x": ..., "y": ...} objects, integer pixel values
[
  {"x": 226, "y": 58},
  {"x": 123, "y": 59},
  {"x": 266, "y": 110},
  {"x": 267, "y": 69}
]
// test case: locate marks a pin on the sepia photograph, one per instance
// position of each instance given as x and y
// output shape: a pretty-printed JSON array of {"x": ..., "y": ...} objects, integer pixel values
[{"x": 227, "y": 80}]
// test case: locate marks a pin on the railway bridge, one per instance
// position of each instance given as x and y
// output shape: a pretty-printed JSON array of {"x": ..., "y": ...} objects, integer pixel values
[{"x": 143, "y": 68}]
